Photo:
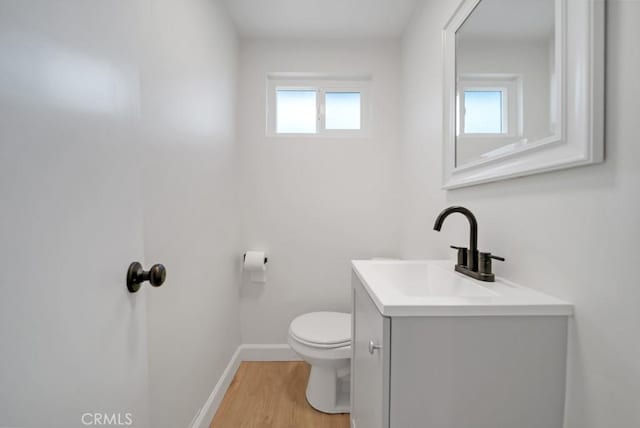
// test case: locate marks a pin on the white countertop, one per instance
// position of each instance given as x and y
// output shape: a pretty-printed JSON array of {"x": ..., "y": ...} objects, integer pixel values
[{"x": 432, "y": 288}]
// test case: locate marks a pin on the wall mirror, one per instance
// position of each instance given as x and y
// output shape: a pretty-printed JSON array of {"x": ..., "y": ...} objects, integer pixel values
[{"x": 523, "y": 88}]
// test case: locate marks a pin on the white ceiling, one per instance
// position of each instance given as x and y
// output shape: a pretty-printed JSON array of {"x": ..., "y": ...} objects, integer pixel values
[
  {"x": 510, "y": 19},
  {"x": 321, "y": 19}
]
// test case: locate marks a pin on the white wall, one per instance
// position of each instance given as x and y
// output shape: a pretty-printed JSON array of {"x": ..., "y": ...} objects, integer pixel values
[
  {"x": 314, "y": 204},
  {"x": 572, "y": 233},
  {"x": 188, "y": 106}
]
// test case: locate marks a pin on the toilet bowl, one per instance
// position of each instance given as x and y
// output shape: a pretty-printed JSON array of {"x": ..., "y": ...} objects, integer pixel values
[{"x": 323, "y": 339}]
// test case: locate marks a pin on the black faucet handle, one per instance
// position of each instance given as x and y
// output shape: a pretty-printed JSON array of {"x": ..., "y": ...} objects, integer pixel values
[
  {"x": 484, "y": 263},
  {"x": 462, "y": 255}
]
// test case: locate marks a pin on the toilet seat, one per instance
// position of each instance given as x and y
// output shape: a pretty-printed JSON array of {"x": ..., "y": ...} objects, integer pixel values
[{"x": 326, "y": 330}]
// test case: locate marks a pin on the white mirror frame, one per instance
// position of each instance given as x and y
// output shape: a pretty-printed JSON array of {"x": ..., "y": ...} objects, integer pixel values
[{"x": 580, "y": 33}]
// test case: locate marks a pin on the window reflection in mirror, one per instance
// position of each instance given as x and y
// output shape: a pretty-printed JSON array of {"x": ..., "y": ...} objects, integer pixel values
[{"x": 505, "y": 78}]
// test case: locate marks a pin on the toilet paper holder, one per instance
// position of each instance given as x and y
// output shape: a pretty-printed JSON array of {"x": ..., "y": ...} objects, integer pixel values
[{"x": 244, "y": 257}]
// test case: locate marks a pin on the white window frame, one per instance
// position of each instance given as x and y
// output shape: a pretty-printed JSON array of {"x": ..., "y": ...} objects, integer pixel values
[
  {"x": 512, "y": 106},
  {"x": 321, "y": 83}
]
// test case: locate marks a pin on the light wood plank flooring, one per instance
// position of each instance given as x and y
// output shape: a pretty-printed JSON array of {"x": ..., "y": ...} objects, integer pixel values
[{"x": 271, "y": 394}]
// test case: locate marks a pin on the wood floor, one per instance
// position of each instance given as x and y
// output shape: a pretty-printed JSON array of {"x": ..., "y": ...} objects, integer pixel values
[{"x": 271, "y": 394}]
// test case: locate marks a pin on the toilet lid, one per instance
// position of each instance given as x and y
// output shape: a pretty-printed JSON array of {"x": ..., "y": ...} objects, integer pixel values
[{"x": 323, "y": 328}]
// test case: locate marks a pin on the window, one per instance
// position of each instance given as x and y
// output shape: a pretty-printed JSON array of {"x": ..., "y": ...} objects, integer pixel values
[
  {"x": 342, "y": 110},
  {"x": 483, "y": 112},
  {"x": 296, "y": 111},
  {"x": 489, "y": 106},
  {"x": 317, "y": 105}
]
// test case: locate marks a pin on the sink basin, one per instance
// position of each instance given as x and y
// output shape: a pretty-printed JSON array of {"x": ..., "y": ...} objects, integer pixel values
[
  {"x": 427, "y": 280},
  {"x": 432, "y": 287}
]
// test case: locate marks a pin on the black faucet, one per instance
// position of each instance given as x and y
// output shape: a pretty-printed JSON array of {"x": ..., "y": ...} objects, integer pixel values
[{"x": 470, "y": 262}]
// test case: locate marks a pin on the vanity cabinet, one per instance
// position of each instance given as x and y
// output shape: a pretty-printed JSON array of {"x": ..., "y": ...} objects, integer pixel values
[
  {"x": 371, "y": 352},
  {"x": 455, "y": 371}
]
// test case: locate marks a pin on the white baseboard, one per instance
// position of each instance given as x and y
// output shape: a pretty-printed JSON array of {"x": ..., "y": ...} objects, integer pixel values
[
  {"x": 271, "y": 352},
  {"x": 247, "y": 352},
  {"x": 204, "y": 417}
]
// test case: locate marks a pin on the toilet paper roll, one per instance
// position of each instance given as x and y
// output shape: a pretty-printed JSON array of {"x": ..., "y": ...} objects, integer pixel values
[{"x": 254, "y": 263}]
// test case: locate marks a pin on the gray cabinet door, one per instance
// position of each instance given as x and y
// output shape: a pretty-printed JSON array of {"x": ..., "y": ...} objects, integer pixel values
[{"x": 369, "y": 365}]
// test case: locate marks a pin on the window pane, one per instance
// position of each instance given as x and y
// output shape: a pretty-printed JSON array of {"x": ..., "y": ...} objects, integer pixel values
[
  {"x": 296, "y": 111},
  {"x": 483, "y": 112},
  {"x": 342, "y": 110}
]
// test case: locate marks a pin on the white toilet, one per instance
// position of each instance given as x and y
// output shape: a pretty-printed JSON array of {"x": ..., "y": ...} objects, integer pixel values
[{"x": 323, "y": 339}]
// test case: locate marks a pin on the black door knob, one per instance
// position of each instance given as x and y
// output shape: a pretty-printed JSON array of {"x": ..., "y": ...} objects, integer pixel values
[
  {"x": 157, "y": 275},
  {"x": 136, "y": 276}
]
